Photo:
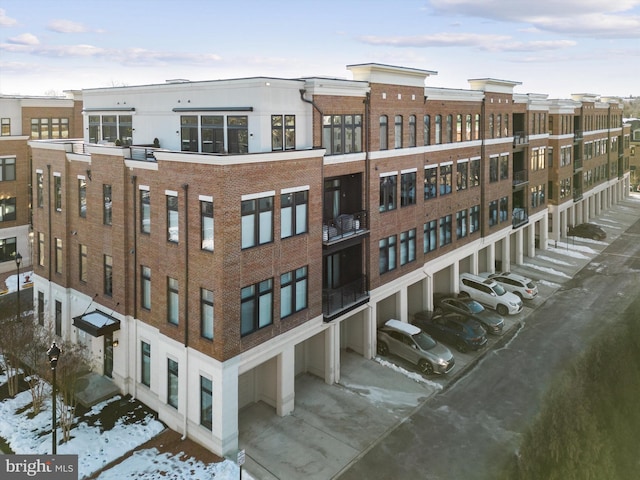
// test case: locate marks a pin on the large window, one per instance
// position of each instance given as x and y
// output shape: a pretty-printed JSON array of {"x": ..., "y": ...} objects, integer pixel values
[
  {"x": 212, "y": 133},
  {"x": 474, "y": 172},
  {"x": 109, "y": 128},
  {"x": 446, "y": 178},
  {"x": 238, "y": 133},
  {"x": 41, "y": 249},
  {"x": 407, "y": 246},
  {"x": 294, "y": 213},
  {"x": 430, "y": 240},
  {"x": 59, "y": 261},
  {"x": 8, "y": 249},
  {"x": 145, "y": 211},
  {"x": 39, "y": 189},
  {"x": 493, "y": 168},
  {"x": 387, "y": 250},
  {"x": 145, "y": 287},
  {"x": 427, "y": 129},
  {"x": 293, "y": 291},
  {"x": 5, "y": 127},
  {"x": 206, "y": 224},
  {"x": 384, "y": 132},
  {"x": 504, "y": 209},
  {"x": 430, "y": 182},
  {"x": 445, "y": 230},
  {"x": 83, "y": 263},
  {"x": 461, "y": 224},
  {"x": 438, "y": 129},
  {"x": 46, "y": 128},
  {"x": 108, "y": 275},
  {"x": 82, "y": 197},
  {"x": 256, "y": 309},
  {"x": 7, "y": 169},
  {"x": 206, "y": 313},
  {"x": 408, "y": 189},
  {"x": 172, "y": 383},
  {"x": 449, "y": 129},
  {"x": 206, "y": 402},
  {"x": 189, "y": 133},
  {"x": 283, "y": 132},
  {"x": 397, "y": 136},
  {"x": 493, "y": 213},
  {"x": 459, "y": 134},
  {"x": 474, "y": 219},
  {"x": 57, "y": 191},
  {"x": 107, "y": 209},
  {"x": 388, "y": 192},
  {"x": 145, "y": 363},
  {"x": 504, "y": 167},
  {"x": 342, "y": 134},
  {"x": 7, "y": 209},
  {"x": 412, "y": 131},
  {"x": 172, "y": 218},
  {"x": 172, "y": 301},
  {"x": 257, "y": 221},
  {"x": 462, "y": 175}
]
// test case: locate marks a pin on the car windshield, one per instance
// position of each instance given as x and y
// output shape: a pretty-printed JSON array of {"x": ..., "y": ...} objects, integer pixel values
[
  {"x": 499, "y": 289},
  {"x": 424, "y": 341},
  {"x": 475, "y": 307}
]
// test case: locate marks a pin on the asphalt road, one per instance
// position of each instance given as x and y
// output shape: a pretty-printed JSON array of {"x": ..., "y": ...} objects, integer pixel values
[{"x": 470, "y": 430}]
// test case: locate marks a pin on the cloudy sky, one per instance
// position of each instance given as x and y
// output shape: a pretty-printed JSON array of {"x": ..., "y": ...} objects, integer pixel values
[{"x": 557, "y": 47}]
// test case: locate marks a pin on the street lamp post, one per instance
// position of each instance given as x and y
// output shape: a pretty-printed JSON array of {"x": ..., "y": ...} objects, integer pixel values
[
  {"x": 53, "y": 353},
  {"x": 18, "y": 262}
]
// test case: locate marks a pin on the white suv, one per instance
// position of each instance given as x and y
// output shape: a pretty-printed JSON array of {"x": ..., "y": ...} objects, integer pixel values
[
  {"x": 521, "y": 286},
  {"x": 490, "y": 293}
]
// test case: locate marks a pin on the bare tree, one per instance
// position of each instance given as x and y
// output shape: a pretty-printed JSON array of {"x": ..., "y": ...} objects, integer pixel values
[
  {"x": 12, "y": 341},
  {"x": 35, "y": 363}
]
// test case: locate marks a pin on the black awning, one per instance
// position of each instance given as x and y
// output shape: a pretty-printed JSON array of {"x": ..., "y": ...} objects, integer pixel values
[{"x": 96, "y": 323}]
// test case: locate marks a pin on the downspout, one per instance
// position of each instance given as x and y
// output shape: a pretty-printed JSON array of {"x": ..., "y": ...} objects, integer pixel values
[
  {"x": 185, "y": 187},
  {"x": 367, "y": 186},
  {"x": 49, "y": 227},
  {"x": 134, "y": 183},
  {"x": 483, "y": 169}
]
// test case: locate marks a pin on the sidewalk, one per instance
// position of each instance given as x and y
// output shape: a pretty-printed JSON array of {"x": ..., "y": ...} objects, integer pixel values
[{"x": 334, "y": 425}]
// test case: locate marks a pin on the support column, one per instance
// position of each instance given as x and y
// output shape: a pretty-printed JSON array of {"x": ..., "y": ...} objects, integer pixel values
[
  {"x": 543, "y": 236},
  {"x": 506, "y": 254},
  {"x": 491, "y": 258},
  {"x": 402, "y": 305},
  {"x": 427, "y": 293},
  {"x": 597, "y": 200},
  {"x": 332, "y": 354},
  {"x": 285, "y": 384},
  {"x": 454, "y": 276},
  {"x": 519, "y": 254},
  {"x": 473, "y": 260},
  {"x": 369, "y": 328},
  {"x": 225, "y": 409},
  {"x": 564, "y": 223},
  {"x": 531, "y": 240}
]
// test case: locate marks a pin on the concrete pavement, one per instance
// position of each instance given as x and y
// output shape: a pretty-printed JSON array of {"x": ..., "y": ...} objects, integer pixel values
[{"x": 334, "y": 425}]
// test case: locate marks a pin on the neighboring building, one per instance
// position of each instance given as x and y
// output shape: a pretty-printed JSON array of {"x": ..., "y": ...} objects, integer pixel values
[
  {"x": 23, "y": 118},
  {"x": 276, "y": 223},
  {"x": 634, "y": 153}
]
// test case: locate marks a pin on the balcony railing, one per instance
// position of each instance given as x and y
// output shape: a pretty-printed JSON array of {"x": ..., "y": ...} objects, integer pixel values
[
  {"x": 520, "y": 177},
  {"x": 142, "y": 153},
  {"x": 577, "y": 194},
  {"x": 343, "y": 226},
  {"x": 577, "y": 135},
  {"x": 577, "y": 164},
  {"x": 348, "y": 296},
  {"x": 520, "y": 138},
  {"x": 519, "y": 216}
]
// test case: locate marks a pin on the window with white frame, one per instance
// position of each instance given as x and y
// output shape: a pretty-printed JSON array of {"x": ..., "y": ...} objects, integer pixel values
[
  {"x": 445, "y": 230},
  {"x": 145, "y": 287},
  {"x": 172, "y": 382},
  {"x": 397, "y": 137},
  {"x": 408, "y": 188},
  {"x": 206, "y": 223},
  {"x": 446, "y": 178},
  {"x": 206, "y": 402},
  {"x": 145, "y": 209},
  {"x": 462, "y": 175},
  {"x": 388, "y": 191},
  {"x": 461, "y": 224},
  {"x": 172, "y": 216},
  {"x": 172, "y": 301},
  {"x": 430, "y": 182},
  {"x": 82, "y": 197},
  {"x": 474, "y": 219},
  {"x": 39, "y": 188},
  {"x": 145, "y": 363},
  {"x": 283, "y": 132}
]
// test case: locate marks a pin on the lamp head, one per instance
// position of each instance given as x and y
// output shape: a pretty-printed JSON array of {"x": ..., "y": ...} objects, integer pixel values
[
  {"x": 18, "y": 259},
  {"x": 53, "y": 353}
]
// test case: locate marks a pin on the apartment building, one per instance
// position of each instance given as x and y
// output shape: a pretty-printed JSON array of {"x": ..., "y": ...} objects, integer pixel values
[
  {"x": 23, "y": 118},
  {"x": 210, "y": 241}
]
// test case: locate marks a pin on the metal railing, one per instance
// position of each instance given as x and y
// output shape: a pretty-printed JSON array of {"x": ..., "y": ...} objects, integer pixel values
[
  {"x": 520, "y": 177},
  {"x": 344, "y": 225},
  {"x": 519, "y": 216},
  {"x": 520, "y": 138},
  {"x": 336, "y": 300}
]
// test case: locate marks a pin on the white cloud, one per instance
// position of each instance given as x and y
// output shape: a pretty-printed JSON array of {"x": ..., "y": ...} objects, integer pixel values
[
  {"x": 66, "y": 26},
  {"x": 24, "y": 39},
  {"x": 6, "y": 21}
]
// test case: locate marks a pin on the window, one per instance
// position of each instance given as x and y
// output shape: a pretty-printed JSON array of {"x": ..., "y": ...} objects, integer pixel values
[
  {"x": 474, "y": 219},
  {"x": 504, "y": 167},
  {"x": 294, "y": 213},
  {"x": 387, "y": 250},
  {"x": 459, "y": 132},
  {"x": 445, "y": 230},
  {"x": 57, "y": 192},
  {"x": 94, "y": 128},
  {"x": 108, "y": 275},
  {"x": 58, "y": 318},
  {"x": 212, "y": 133},
  {"x": 189, "y": 133},
  {"x": 283, "y": 132},
  {"x": 41, "y": 308},
  {"x": 172, "y": 383},
  {"x": 504, "y": 209},
  {"x": 408, "y": 189},
  {"x": 384, "y": 133},
  {"x": 5, "y": 127},
  {"x": 257, "y": 221},
  {"x": 83, "y": 263},
  {"x": 476, "y": 130},
  {"x": 449, "y": 133},
  {"x": 40, "y": 189},
  {"x": 462, "y": 175},
  {"x": 145, "y": 211},
  {"x": 461, "y": 224},
  {"x": 41, "y": 249},
  {"x": 387, "y": 193},
  {"x": 125, "y": 129},
  {"x": 493, "y": 213},
  {"x": 45, "y": 128},
  {"x": 427, "y": 129},
  {"x": 206, "y": 225},
  {"x": 206, "y": 402},
  {"x": 493, "y": 169},
  {"x": 58, "y": 255},
  {"x": 430, "y": 182},
  {"x": 82, "y": 197},
  {"x": 109, "y": 128},
  {"x": 438, "y": 129},
  {"x": 206, "y": 314},
  {"x": 412, "y": 131},
  {"x": 256, "y": 309},
  {"x": 342, "y": 134},
  {"x": 7, "y": 209},
  {"x": 8, "y": 249},
  {"x": 145, "y": 287},
  {"x": 498, "y": 125},
  {"x": 491, "y": 127},
  {"x": 397, "y": 135},
  {"x": 430, "y": 240},
  {"x": 468, "y": 127},
  {"x": 172, "y": 301},
  {"x": 7, "y": 169},
  {"x": 172, "y": 218},
  {"x": 238, "y": 133},
  {"x": 145, "y": 363},
  {"x": 107, "y": 205},
  {"x": 407, "y": 246},
  {"x": 293, "y": 291},
  {"x": 446, "y": 177}
]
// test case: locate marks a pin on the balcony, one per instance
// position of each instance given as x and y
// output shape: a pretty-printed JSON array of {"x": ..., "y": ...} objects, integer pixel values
[
  {"x": 520, "y": 138},
  {"x": 577, "y": 194},
  {"x": 519, "y": 217},
  {"x": 520, "y": 177},
  {"x": 336, "y": 301},
  {"x": 577, "y": 164},
  {"x": 345, "y": 225},
  {"x": 577, "y": 135}
]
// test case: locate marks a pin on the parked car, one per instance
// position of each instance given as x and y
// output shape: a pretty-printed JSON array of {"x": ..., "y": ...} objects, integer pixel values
[
  {"x": 462, "y": 332},
  {"x": 491, "y": 321},
  {"x": 489, "y": 293},
  {"x": 512, "y": 282},
  {"x": 588, "y": 230},
  {"x": 409, "y": 342}
]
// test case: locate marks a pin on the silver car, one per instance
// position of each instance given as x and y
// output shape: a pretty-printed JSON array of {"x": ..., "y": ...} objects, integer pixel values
[{"x": 409, "y": 342}]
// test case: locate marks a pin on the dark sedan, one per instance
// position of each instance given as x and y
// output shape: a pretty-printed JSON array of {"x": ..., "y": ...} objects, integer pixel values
[
  {"x": 588, "y": 230},
  {"x": 462, "y": 332},
  {"x": 490, "y": 320}
]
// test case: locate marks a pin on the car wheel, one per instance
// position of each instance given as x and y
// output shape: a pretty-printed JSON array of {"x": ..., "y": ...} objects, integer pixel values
[
  {"x": 383, "y": 349},
  {"x": 462, "y": 347},
  {"x": 502, "y": 310},
  {"x": 425, "y": 367},
  {"x": 463, "y": 295}
]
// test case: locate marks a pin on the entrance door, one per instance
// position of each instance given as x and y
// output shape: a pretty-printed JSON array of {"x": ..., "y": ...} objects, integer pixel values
[{"x": 108, "y": 355}]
